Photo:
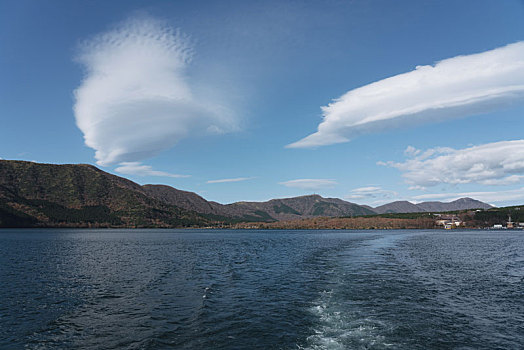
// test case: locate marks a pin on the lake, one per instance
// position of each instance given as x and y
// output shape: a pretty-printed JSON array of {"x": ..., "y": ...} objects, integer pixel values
[{"x": 224, "y": 289}]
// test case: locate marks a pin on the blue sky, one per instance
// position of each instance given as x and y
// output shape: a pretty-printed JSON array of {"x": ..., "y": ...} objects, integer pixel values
[{"x": 219, "y": 97}]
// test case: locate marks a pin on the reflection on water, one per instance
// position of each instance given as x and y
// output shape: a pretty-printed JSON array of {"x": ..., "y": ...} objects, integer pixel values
[{"x": 197, "y": 289}]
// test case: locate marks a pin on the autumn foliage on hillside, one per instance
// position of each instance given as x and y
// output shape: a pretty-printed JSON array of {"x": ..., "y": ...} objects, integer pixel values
[{"x": 358, "y": 223}]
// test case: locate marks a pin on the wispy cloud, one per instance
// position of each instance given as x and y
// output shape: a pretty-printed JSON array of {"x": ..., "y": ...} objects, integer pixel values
[
  {"x": 237, "y": 179},
  {"x": 455, "y": 87},
  {"x": 136, "y": 168},
  {"x": 488, "y": 196},
  {"x": 371, "y": 194},
  {"x": 311, "y": 184},
  {"x": 136, "y": 99},
  {"x": 499, "y": 163}
]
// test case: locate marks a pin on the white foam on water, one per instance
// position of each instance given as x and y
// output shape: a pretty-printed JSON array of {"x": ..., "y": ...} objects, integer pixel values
[
  {"x": 343, "y": 326},
  {"x": 340, "y": 328},
  {"x": 343, "y": 323}
]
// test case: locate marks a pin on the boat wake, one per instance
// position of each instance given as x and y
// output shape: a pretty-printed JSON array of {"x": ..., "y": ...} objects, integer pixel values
[
  {"x": 342, "y": 326},
  {"x": 346, "y": 314}
]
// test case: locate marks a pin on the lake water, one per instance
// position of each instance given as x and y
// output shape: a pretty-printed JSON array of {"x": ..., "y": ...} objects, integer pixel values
[{"x": 219, "y": 289}]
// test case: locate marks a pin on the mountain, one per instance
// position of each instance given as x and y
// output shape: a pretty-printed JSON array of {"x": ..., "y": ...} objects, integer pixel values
[
  {"x": 194, "y": 202},
  {"x": 303, "y": 207},
  {"x": 33, "y": 194},
  {"x": 48, "y": 195},
  {"x": 459, "y": 204},
  {"x": 183, "y": 199},
  {"x": 80, "y": 195},
  {"x": 272, "y": 210},
  {"x": 408, "y": 207},
  {"x": 398, "y": 207}
]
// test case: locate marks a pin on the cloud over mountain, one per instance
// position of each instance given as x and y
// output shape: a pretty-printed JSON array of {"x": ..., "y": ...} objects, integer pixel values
[
  {"x": 499, "y": 163},
  {"x": 236, "y": 179},
  {"x": 372, "y": 194},
  {"x": 136, "y": 99},
  {"x": 135, "y": 168},
  {"x": 454, "y": 87},
  {"x": 311, "y": 184}
]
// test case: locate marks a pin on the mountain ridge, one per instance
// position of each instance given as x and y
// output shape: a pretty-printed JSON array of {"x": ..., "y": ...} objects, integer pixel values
[
  {"x": 81, "y": 195},
  {"x": 434, "y": 206}
]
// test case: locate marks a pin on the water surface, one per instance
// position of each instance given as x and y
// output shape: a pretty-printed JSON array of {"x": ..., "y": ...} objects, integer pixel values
[{"x": 219, "y": 289}]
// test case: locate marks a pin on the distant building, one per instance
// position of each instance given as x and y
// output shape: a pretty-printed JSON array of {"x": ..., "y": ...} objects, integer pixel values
[
  {"x": 497, "y": 226},
  {"x": 509, "y": 224},
  {"x": 449, "y": 222}
]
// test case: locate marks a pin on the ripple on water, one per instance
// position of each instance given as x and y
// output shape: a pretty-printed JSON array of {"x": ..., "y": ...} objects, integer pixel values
[
  {"x": 157, "y": 289},
  {"x": 343, "y": 327},
  {"x": 344, "y": 321}
]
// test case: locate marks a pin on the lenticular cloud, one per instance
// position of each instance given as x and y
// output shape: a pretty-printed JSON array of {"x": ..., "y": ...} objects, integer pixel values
[
  {"x": 455, "y": 87},
  {"x": 498, "y": 163},
  {"x": 135, "y": 100}
]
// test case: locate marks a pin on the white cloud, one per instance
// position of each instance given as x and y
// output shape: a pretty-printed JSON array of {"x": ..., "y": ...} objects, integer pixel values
[
  {"x": 135, "y": 168},
  {"x": 488, "y": 197},
  {"x": 311, "y": 184},
  {"x": 458, "y": 86},
  {"x": 371, "y": 194},
  {"x": 411, "y": 151},
  {"x": 237, "y": 179},
  {"x": 136, "y": 99},
  {"x": 499, "y": 163}
]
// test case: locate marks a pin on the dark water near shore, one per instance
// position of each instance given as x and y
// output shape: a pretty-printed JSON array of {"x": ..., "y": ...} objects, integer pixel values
[{"x": 157, "y": 289}]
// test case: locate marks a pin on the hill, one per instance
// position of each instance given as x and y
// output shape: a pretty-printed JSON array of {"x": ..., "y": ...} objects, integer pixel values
[
  {"x": 459, "y": 204},
  {"x": 272, "y": 210},
  {"x": 49, "y": 195},
  {"x": 80, "y": 195},
  {"x": 398, "y": 207},
  {"x": 408, "y": 207},
  {"x": 303, "y": 207}
]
